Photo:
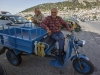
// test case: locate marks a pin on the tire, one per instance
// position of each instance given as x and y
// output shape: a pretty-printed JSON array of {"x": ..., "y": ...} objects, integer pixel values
[
  {"x": 2, "y": 71},
  {"x": 87, "y": 66},
  {"x": 13, "y": 58}
]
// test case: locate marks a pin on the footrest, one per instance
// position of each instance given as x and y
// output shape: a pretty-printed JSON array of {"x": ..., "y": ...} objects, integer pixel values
[{"x": 56, "y": 63}]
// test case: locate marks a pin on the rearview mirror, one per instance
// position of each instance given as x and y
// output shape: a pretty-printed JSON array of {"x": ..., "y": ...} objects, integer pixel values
[{"x": 9, "y": 23}]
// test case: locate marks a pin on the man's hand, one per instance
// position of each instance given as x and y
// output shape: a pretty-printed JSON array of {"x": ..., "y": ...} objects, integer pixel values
[
  {"x": 49, "y": 32},
  {"x": 35, "y": 21},
  {"x": 69, "y": 29}
]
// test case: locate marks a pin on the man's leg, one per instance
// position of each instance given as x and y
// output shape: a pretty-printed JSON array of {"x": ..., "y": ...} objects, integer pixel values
[
  {"x": 59, "y": 37},
  {"x": 61, "y": 41}
]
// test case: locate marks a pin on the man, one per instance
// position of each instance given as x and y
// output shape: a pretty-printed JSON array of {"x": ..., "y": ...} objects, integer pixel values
[
  {"x": 52, "y": 25},
  {"x": 38, "y": 17}
]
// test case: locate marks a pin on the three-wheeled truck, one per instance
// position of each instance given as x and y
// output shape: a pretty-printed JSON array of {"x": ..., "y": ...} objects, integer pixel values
[{"x": 34, "y": 40}]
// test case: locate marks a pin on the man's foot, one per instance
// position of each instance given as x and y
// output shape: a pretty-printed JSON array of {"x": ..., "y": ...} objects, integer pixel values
[
  {"x": 63, "y": 52},
  {"x": 61, "y": 60}
]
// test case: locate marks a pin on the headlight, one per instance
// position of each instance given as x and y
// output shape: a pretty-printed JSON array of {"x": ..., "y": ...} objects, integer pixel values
[
  {"x": 80, "y": 42},
  {"x": 83, "y": 42}
]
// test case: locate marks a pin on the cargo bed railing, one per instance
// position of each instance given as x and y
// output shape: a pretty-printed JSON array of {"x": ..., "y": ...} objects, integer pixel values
[{"x": 6, "y": 30}]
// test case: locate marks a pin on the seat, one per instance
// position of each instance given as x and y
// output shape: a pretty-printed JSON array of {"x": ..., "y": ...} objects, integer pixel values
[{"x": 50, "y": 41}]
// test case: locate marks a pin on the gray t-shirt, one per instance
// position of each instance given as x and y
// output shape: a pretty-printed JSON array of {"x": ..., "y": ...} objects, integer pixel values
[{"x": 39, "y": 19}]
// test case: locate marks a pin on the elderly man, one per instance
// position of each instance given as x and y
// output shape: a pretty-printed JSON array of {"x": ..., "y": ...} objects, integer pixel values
[
  {"x": 38, "y": 17},
  {"x": 52, "y": 25}
]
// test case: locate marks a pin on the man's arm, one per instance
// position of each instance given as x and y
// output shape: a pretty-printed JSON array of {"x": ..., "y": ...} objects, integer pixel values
[
  {"x": 63, "y": 23},
  {"x": 34, "y": 20},
  {"x": 44, "y": 24}
]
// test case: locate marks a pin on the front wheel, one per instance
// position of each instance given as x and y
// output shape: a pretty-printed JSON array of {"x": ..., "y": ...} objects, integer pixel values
[{"x": 86, "y": 66}]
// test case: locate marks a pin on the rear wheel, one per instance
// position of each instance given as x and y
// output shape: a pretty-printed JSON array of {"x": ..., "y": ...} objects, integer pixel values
[
  {"x": 86, "y": 66},
  {"x": 13, "y": 58}
]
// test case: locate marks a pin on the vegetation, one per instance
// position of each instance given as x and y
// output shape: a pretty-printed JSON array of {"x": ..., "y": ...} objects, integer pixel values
[
  {"x": 65, "y": 6},
  {"x": 94, "y": 17}
]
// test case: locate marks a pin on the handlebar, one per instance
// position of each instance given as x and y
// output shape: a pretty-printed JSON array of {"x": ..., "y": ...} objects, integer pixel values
[{"x": 69, "y": 35}]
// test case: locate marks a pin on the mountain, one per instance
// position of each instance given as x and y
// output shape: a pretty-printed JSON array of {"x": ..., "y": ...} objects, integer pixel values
[
  {"x": 66, "y": 5},
  {"x": 83, "y": 0}
]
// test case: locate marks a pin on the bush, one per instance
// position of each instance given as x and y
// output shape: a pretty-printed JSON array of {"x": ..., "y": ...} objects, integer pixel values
[{"x": 94, "y": 17}]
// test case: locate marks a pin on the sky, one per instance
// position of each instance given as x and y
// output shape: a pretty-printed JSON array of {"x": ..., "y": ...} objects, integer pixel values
[{"x": 15, "y": 6}]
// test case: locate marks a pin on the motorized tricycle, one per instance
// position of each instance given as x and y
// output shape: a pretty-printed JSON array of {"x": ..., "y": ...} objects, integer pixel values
[{"x": 34, "y": 40}]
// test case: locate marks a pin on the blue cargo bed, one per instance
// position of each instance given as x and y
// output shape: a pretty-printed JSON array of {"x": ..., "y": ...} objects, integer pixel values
[{"x": 21, "y": 38}]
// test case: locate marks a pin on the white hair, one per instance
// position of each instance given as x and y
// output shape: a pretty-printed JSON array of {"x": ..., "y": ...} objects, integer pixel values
[{"x": 54, "y": 9}]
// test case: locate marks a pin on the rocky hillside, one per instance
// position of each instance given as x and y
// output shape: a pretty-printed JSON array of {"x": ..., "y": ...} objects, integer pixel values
[{"x": 66, "y": 5}]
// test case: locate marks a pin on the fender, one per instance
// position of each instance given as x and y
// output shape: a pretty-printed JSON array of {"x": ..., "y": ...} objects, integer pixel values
[
  {"x": 17, "y": 51},
  {"x": 79, "y": 56}
]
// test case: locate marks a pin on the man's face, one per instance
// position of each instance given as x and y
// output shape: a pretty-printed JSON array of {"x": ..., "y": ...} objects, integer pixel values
[
  {"x": 54, "y": 13},
  {"x": 36, "y": 11}
]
